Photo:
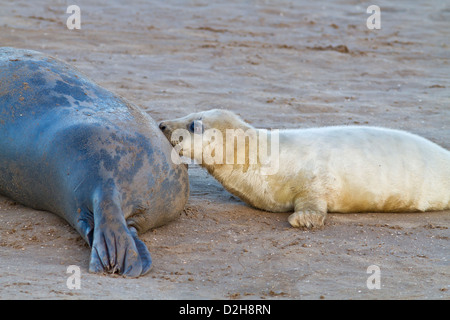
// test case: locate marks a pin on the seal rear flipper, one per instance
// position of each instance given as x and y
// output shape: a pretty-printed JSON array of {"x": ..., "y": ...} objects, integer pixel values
[{"x": 114, "y": 247}]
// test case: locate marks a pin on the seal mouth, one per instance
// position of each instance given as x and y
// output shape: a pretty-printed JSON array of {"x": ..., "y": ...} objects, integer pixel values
[{"x": 174, "y": 141}]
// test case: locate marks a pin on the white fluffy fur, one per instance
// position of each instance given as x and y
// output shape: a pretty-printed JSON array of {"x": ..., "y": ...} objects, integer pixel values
[{"x": 336, "y": 169}]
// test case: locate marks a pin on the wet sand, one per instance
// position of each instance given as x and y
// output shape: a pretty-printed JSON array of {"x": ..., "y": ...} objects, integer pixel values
[{"x": 279, "y": 64}]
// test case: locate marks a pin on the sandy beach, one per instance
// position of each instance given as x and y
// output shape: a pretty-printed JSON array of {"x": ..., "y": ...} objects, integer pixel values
[{"x": 278, "y": 64}]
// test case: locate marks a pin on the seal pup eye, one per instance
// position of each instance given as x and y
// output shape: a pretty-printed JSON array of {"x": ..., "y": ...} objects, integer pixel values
[{"x": 196, "y": 126}]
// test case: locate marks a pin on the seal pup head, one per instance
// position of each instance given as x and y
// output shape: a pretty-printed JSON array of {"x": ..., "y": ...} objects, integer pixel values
[
  {"x": 212, "y": 119},
  {"x": 232, "y": 151},
  {"x": 204, "y": 133}
]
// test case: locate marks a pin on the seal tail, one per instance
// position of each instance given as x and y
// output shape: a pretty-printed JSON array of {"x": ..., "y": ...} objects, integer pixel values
[{"x": 115, "y": 247}]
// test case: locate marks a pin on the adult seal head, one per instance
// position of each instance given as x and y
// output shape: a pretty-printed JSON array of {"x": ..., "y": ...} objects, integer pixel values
[
  {"x": 317, "y": 170},
  {"x": 70, "y": 147}
]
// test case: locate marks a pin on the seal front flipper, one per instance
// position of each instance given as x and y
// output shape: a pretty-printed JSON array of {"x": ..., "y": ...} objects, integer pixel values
[
  {"x": 143, "y": 252},
  {"x": 85, "y": 225},
  {"x": 308, "y": 214},
  {"x": 115, "y": 248}
]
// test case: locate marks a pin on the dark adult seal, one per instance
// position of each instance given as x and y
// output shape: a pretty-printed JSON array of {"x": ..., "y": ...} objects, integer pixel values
[{"x": 73, "y": 148}]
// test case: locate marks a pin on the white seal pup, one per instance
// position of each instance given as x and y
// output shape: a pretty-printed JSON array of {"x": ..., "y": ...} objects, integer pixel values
[{"x": 328, "y": 169}]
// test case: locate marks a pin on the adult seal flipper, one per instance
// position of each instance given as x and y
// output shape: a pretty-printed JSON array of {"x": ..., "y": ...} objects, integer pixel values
[
  {"x": 130, "y": 258},
  {"x": 70, "y": 147}
]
